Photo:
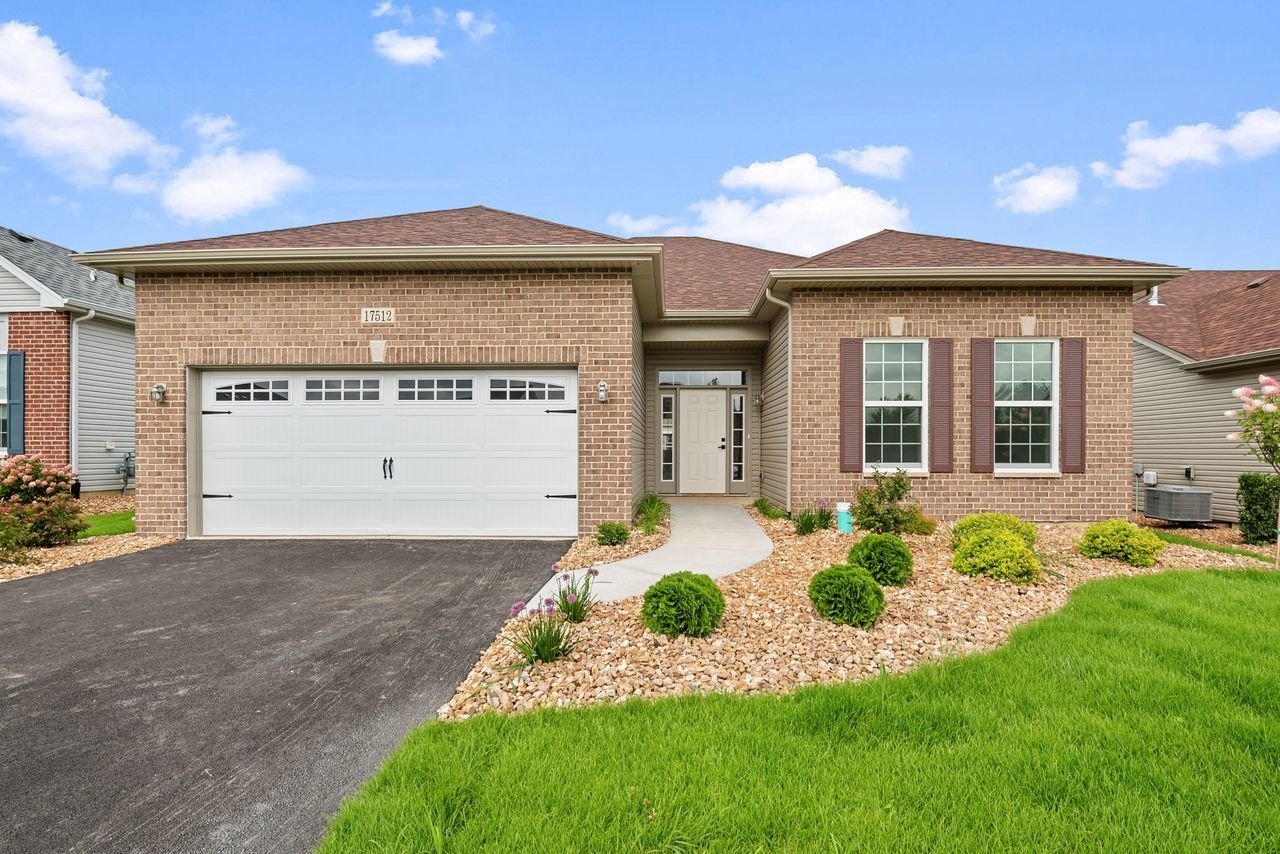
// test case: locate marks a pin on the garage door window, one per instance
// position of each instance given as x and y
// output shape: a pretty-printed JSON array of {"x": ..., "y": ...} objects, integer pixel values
[
  {"x": 506, "y": 389},
  {"x": 255, "y": 391},
  {"x": 424, "y": 388},
  {"x": 349, "y": 389}
]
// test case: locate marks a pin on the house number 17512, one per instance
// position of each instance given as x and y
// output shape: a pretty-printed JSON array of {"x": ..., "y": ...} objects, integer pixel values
[{"x": 377, "y": 315}]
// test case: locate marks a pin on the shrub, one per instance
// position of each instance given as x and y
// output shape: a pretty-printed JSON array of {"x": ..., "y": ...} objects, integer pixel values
[
  {"x": 27, "y": 478},
  {"x": 811, "y": 519},
  {"x": 1258, "y": 496},
  {"x": 542, "y": 634},
  {"x": 651, "y": 512},
  {"x": 1121, "y": 540},
  {"x": 920, "y": 522},
  {"x": 997, "y": 552},
  {"x": 979, "y": 522},
  {"x": 683, "y": 603},
  {"x": 53, "y": 521},
  {"x": 885, "y": 557},
  {"x": 879, "y": 507},
  {"x": 768, "y": 509},
  {"x": 612, "y": 533},
  {"x": 14, "y": 536},
  {"x": 847, "y": 595},
  {"x": 573, "y": 599}
]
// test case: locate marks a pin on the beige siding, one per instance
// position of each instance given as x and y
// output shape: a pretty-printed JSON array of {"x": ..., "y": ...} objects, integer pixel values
[
  {"x": 1178, "y": 422},
  {"x": 775, "y": 424},
  {"x": 17, "y": 295},
  {"x": 104, "y": 401},
  {"x": 638, "y": 436},
  {"x": 748, "y": 361}
]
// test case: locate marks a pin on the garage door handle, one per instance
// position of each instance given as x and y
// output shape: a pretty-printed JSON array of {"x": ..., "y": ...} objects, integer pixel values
[
  {"x": 215, "y": 411},
  {"x": 392, "y": 467},
  {"x": 384, "y": 468},
  {"x": 212, "y": 495},
  {"x": 561, "y": 411},
  {"x": 575, "y": 495}
]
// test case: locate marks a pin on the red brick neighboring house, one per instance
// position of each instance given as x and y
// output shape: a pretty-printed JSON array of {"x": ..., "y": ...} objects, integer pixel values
[
  {"x": 473, "y": 372},
  {"x": 69, "y": 370}
]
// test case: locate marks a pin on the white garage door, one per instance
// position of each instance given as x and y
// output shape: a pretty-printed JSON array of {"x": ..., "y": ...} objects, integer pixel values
[{"x": 389, "y": 453}]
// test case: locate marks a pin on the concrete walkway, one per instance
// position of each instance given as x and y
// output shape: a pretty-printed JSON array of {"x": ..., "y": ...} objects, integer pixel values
[{"x": 713, "y": 538}]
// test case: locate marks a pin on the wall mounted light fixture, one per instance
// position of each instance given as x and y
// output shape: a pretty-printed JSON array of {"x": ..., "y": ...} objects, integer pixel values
[
  {"x": 759, "y": 399},
  {"x": 158, "y": 391},
  {"x": 602, "y": 391}
]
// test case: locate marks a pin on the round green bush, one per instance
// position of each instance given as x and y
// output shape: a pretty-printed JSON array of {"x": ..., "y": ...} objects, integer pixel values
[
  {"x": 612, "y": 533},
  {"x": 683, "y": 603},
  {"x": 885, "y": 556},
  {"x": 1121, "y": 540},
  {"x": 997, "y": 552},
  {"x": 848, "y": 595},
  {"x": 971, "y": 525}
]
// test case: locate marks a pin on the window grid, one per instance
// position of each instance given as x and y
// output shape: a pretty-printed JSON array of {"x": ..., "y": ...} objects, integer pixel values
[
  {"x": 435, "y": 388},
  {"x": 721, "y": 378},
  {"x": 347, "y": 389},
  {"x": 738, "y": 437},
  {"x": 252, "y": 391},
  {"x": 893, "y": 404},
  {"x": 1025, "y": 398},
  {"x": 509, "y": 389},
  {"x": 667, "y": 431}
]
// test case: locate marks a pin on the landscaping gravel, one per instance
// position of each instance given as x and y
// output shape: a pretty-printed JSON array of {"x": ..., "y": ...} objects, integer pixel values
[
  {"x": 771, "y": 639},
  {"x": 98, "y": 503},
  {"x": 586, "y": 552}
]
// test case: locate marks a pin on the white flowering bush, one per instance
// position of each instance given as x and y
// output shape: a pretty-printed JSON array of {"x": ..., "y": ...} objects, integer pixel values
[{"x": 1259, "y": 420}]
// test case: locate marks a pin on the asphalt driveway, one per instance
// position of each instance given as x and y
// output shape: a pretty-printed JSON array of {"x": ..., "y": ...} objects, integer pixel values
[{"x": 227, "y": 695}]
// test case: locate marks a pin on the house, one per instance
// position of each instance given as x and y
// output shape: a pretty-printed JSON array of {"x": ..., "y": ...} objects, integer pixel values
[
  {"x": 474, "y": 372},
  {"x": 1194, "y": 340},
  {"x": 67, "y": 330}
]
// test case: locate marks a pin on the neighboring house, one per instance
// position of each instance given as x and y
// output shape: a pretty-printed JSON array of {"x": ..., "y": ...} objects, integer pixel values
[
  {"x": 68, "y": 332},
  {"x": 474, "y": 372},
  {"x": 1194, "y": 341}
]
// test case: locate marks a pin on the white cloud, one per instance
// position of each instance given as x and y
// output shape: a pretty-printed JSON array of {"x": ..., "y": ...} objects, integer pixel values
[
  {"x": 882, "y": 161},
  {"x": 214, "y": 130},
  {"x": 1034, "y": 191},
  {"x": 139, "y": 184},
  {"x": 54, "y": 111},
  {"x": 651, "y": 224},
  {"x": 1149, "y": 158},
  {"x": 476, "y": 28},
  {"x": 813, "y": 209},
  {"x": 440, "y": 15},
  {"x": 407, "y": 50},
  {"x": 228, "y": 183},
  {"x": 387, "y": 8}
]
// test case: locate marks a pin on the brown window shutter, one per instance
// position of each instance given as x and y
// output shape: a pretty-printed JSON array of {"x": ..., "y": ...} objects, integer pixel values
[
  {"x": 982, "y": 403},
  {"x": 1073, "y": 368},
  {"x": 941, "y": 405},
  {"x": 851, "y": 404}
]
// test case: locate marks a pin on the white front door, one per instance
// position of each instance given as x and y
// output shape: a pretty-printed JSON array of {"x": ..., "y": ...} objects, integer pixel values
[
  {"x": 388, "y": 452},
  {"x": 702, "y": 418}
]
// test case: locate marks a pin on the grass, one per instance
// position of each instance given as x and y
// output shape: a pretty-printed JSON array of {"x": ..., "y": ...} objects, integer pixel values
[
  {"x": 1144, "y": 716},
  {"x": 651, "y": 513},
  {"x": 1183, "y": 540},
  {"x": 108, "y": 524},
  {"x": 768, "y": 509}
]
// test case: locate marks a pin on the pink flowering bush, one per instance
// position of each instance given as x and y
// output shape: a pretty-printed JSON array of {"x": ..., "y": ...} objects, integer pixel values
[
  {"x": 36, "y": 496},
  {"x": 540, "y": 633},
  {"x": 27, "y": 478},
  {"x": 1259, "y": 420}
]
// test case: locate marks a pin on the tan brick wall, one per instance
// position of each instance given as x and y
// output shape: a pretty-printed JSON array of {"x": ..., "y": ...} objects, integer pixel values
[
  {"x": 1102, "y": 315},
  {"x": 580, "y": 319},
  {"x": 45, "y": 338}
]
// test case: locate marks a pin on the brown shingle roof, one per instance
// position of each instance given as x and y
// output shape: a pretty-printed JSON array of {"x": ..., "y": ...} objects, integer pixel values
[
  {"x": 700, "y": 273},
  {"x": 891, "y": 248},
  {"x": 473, "y": 226},
  {"x": 1209, "y": 314}
]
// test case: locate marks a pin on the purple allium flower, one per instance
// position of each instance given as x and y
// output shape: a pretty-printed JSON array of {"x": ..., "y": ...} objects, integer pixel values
[
  {"x": 571, "y": 598},
  {"x": 593, "y": 572},
  {"x": 549, "y": 602},
  {"x": 517, "y": 608},
  {"x": 565, "y": 577}
]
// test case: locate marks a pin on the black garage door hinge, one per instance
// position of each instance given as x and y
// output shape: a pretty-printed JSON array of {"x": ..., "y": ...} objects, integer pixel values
[
  {"x": 215, "y": 411},
  {"x": 212, "y": 495},
  {"x": 575, "y": 495},
  {"x": 562, "y": 411}
]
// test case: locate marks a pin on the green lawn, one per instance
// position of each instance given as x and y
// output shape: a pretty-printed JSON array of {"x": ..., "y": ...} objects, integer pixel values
[
  {"x": 1184, "y": 540},
  {"x": 1144, "y": 716},
  {"x": 109, "y": 523}
]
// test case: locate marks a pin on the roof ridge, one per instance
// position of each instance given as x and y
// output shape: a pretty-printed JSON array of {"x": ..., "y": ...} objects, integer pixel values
[
  {"x": 861, "y": 239},
  {"x": 986, "y": 243},
  {"x": 714, "y": 240},
  {"x": 541, "y": 220}
]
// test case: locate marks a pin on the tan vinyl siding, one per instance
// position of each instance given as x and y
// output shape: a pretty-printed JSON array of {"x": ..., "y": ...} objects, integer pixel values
[
  {"x": 1178, "y": 422},
  {"x": 733, "y": 360},
  {"x": 104, "y": 401},
  {"x": 775, "y": 423},
  {"x": 17, "y": 295},
  {"x": 638, "y": 436}
]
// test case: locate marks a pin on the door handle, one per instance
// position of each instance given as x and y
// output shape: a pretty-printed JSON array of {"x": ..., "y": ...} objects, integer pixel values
[
  {"x": 384, "y": 468},
  {"x": 392, "y": 467}
]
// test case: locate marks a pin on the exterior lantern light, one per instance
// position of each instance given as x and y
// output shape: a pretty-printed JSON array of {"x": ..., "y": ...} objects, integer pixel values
[
  {"x": 602, "y": 391},
  {"x": 158, "y": 391}
]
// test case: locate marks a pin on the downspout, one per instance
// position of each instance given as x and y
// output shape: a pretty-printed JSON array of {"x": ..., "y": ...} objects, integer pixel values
[
  {"x": 73, "y": 420},
  {"x": 786, "y": 306}
]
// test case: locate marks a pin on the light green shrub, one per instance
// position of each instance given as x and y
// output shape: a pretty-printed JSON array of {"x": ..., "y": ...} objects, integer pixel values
[
  {"x": 1121, "y": 540},
  {"x": 970, "y": 525},
  {"x": 997, "y": 552}
]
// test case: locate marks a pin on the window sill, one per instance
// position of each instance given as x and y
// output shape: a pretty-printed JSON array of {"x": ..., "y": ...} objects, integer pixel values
[
  {"x": 1028, "y": 473},
  {"x": 891, "y": 472}
]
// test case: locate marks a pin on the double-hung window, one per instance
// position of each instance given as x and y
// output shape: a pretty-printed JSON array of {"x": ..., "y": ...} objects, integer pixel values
[
  {"x": 893, "y": 404},
  {"x": 1026, "y": 395}
]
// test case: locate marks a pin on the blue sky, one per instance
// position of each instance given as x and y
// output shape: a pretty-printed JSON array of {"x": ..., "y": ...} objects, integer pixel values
[{"x": 185, "y": 120}]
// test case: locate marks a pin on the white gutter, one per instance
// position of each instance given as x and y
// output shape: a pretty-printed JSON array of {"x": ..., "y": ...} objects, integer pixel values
[
  {"x": 786, "y": 306},
  {"x": 73, "y": 417}
]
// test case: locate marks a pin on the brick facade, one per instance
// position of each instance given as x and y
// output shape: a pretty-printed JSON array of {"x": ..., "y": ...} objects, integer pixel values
[
  {"x": 45, "y": 338},
  {"x": 1100, "y": 314},
  {"x": 577, "y": 319}
]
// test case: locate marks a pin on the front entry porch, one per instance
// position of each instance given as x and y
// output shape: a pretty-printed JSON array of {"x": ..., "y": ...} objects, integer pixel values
[{"x": 704, "y": 426}]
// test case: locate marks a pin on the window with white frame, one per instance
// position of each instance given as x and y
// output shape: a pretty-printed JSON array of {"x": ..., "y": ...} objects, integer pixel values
[
  {"x": 512, "y": 389},
  {"x": 738, "y": 437},
  {"x": 344, "y": 389},
  {"x": 893, "y": 396},
  {"x": 434, "y": 388},
  {"x": 253, "y": 391},
  {"x": 667, "y": 434},
  {"x": 1026, "y": 412}
]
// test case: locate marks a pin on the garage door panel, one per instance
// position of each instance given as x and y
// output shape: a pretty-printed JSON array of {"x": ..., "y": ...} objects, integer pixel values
[
  {"x": 248, "y": 470},
  {"x": 338, "y": 513},
  {"x": 240, "y": 428},
  {"x": 436, "y": 472},
  {"x": 519, "y": 430},
  {"x": 264, "y": 515},
  {"x": 424, "y": 430},
  {"x": 532, "y": 516},
  {"x": 531, "y": 472},
  {"x": 342, "y": 472},
  {"x": 443, "y": 515},
  {"x": 333, "y": 427}
]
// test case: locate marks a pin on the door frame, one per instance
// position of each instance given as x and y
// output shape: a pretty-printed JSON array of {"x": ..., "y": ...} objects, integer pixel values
[{"x": 679, "y": 426}]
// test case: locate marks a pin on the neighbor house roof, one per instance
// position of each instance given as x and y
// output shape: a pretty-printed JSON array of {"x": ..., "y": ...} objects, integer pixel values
[
  {"x": 1214, "y": 314},
  {"x": 51, "y": 266},
  {"x": 473, "y": 226},
  {"x": 701, "y": 273},
  {"x": 889, "y": 248}
]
